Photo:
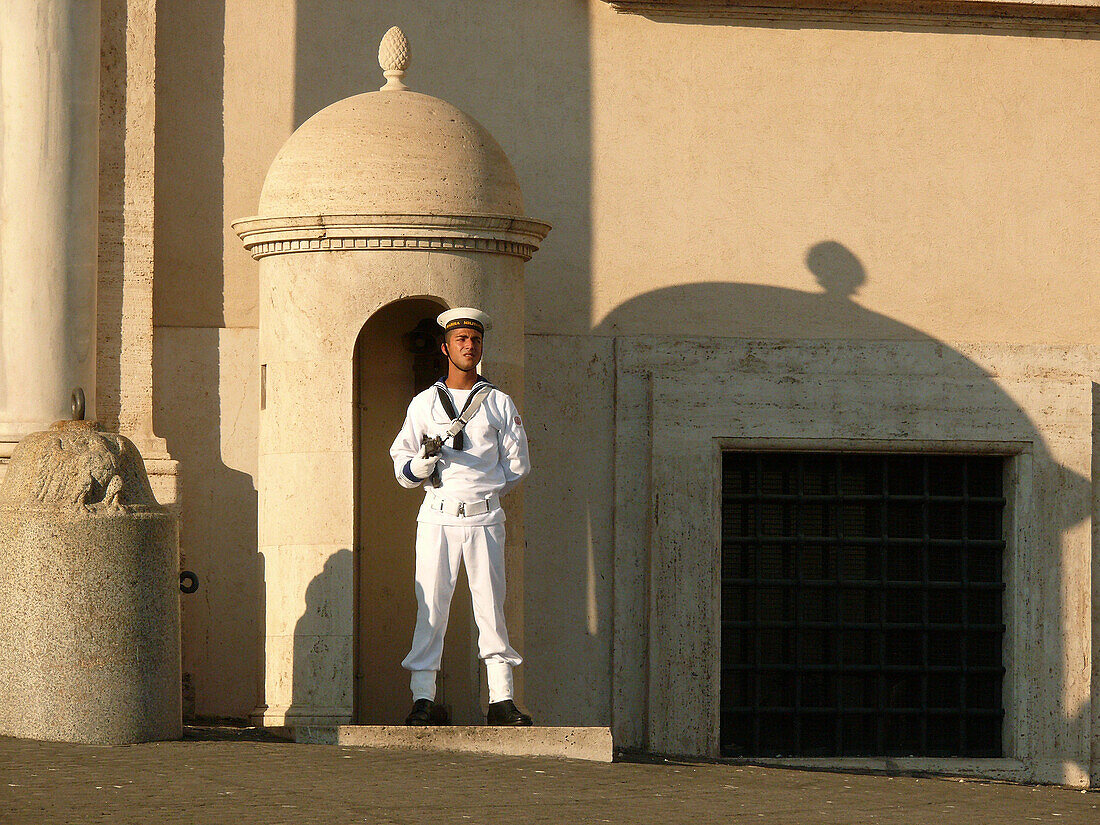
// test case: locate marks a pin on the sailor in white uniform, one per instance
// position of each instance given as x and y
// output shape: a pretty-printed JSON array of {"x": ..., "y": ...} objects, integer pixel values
[{"x": 461, "y": 520}]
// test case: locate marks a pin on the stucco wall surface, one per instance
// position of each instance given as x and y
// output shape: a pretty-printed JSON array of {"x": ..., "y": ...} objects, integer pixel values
[
  {"x": 570, "y": 514},
  {"x": 207, "y": 392},
  {"x": 957, "y": 166}
]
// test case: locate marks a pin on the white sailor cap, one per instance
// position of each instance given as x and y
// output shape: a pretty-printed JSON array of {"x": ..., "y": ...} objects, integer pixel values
[{"x": 464, "y": 317}]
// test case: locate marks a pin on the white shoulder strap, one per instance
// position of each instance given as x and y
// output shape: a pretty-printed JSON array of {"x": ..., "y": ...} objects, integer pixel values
[{"x": 459, "y": 424}]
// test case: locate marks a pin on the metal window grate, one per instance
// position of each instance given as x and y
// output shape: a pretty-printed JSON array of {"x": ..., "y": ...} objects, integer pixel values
[{"x": 862, "y": 605}]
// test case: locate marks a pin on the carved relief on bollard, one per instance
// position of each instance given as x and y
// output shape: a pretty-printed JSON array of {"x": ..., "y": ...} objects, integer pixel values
[
  {"x": 89, "y": 642},
  {"x": 82, "y": 468}
]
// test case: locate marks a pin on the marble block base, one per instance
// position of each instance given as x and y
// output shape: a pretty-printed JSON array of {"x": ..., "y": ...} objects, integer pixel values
[{"x": 588, "y": 743}]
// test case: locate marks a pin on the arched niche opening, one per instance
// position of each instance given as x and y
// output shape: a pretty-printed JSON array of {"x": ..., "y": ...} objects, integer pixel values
[{"x": 396, "y": 356}]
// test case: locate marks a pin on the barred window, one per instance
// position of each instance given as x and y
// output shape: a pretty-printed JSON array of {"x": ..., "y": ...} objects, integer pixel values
[{"x": 862, "y": 605}]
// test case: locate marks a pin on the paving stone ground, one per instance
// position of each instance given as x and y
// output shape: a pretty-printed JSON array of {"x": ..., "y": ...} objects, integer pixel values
[{"x": 240, "y": 777}]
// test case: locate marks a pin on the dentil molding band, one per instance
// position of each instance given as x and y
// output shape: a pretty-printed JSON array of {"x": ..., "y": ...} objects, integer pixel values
[{"x": 497, "y": 234}]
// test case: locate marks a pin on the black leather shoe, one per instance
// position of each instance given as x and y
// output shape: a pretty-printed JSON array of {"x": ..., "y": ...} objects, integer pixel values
[
  {"x": 506, "y": 713},
  {"x": 421, "y": 713}
]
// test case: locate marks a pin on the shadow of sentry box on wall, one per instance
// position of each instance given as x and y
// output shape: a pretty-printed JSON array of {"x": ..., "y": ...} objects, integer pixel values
[{"x": 593, "y": 744}]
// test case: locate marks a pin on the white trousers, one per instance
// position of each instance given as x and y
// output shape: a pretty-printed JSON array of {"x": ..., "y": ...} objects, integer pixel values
[{"x": 440, "y": 549}]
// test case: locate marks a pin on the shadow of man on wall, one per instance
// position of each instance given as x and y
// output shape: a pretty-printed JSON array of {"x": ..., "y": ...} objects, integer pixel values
[{"x": 322, "y": 647}]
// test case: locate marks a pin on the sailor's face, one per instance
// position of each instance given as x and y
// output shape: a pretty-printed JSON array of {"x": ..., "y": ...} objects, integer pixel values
[{"x": 463, "y": 347}]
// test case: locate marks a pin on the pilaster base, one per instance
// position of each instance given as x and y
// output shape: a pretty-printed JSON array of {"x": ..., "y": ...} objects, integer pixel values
[{"x": 294, "y": 717}]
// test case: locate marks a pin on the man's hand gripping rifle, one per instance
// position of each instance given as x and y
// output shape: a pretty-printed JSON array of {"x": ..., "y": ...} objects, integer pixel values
[{"x": 433, "y": 446}]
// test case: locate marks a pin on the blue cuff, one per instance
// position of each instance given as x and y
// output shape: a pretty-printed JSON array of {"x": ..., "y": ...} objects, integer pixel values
[{"x": 408, "y": 473}]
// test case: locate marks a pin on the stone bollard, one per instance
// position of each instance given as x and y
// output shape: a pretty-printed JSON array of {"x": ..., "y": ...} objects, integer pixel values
[{"x": 89, "y": 593}]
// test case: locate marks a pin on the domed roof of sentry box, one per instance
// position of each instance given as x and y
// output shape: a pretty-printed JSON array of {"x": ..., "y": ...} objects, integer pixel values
[{"x": 393, "y": 151}]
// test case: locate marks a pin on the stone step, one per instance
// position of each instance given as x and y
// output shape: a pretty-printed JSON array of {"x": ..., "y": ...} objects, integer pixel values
[{"x": 588, "y": 743}]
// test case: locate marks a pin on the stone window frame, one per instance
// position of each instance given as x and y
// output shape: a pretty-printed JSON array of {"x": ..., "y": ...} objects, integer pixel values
[{"x": 680, "y": 402}]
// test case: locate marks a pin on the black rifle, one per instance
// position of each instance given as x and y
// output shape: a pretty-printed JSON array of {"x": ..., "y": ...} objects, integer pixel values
[{"x": 432, "y": 446}]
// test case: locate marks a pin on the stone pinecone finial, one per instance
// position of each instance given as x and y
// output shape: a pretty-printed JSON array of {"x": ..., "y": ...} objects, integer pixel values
[{"x": 393, "y": 57}]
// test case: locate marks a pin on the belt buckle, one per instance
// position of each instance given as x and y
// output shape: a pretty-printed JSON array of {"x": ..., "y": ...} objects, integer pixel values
[{"x": 462, "y": 508}]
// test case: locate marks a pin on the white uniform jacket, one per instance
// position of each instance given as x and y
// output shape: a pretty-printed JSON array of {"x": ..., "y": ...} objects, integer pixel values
[{"x": 494, "y": 460}]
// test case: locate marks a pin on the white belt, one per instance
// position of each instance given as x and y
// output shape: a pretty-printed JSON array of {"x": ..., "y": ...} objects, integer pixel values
[{"x": 462, "y": 508}]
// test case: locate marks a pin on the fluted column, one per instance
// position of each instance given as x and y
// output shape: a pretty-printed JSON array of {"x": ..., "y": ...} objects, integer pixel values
[{"x": 49, "y": 170}]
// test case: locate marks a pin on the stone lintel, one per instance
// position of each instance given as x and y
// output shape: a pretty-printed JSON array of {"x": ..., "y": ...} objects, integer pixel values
[
  {"x": 593, "y": 744},
  {"x": 1075, "y": 15}
]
